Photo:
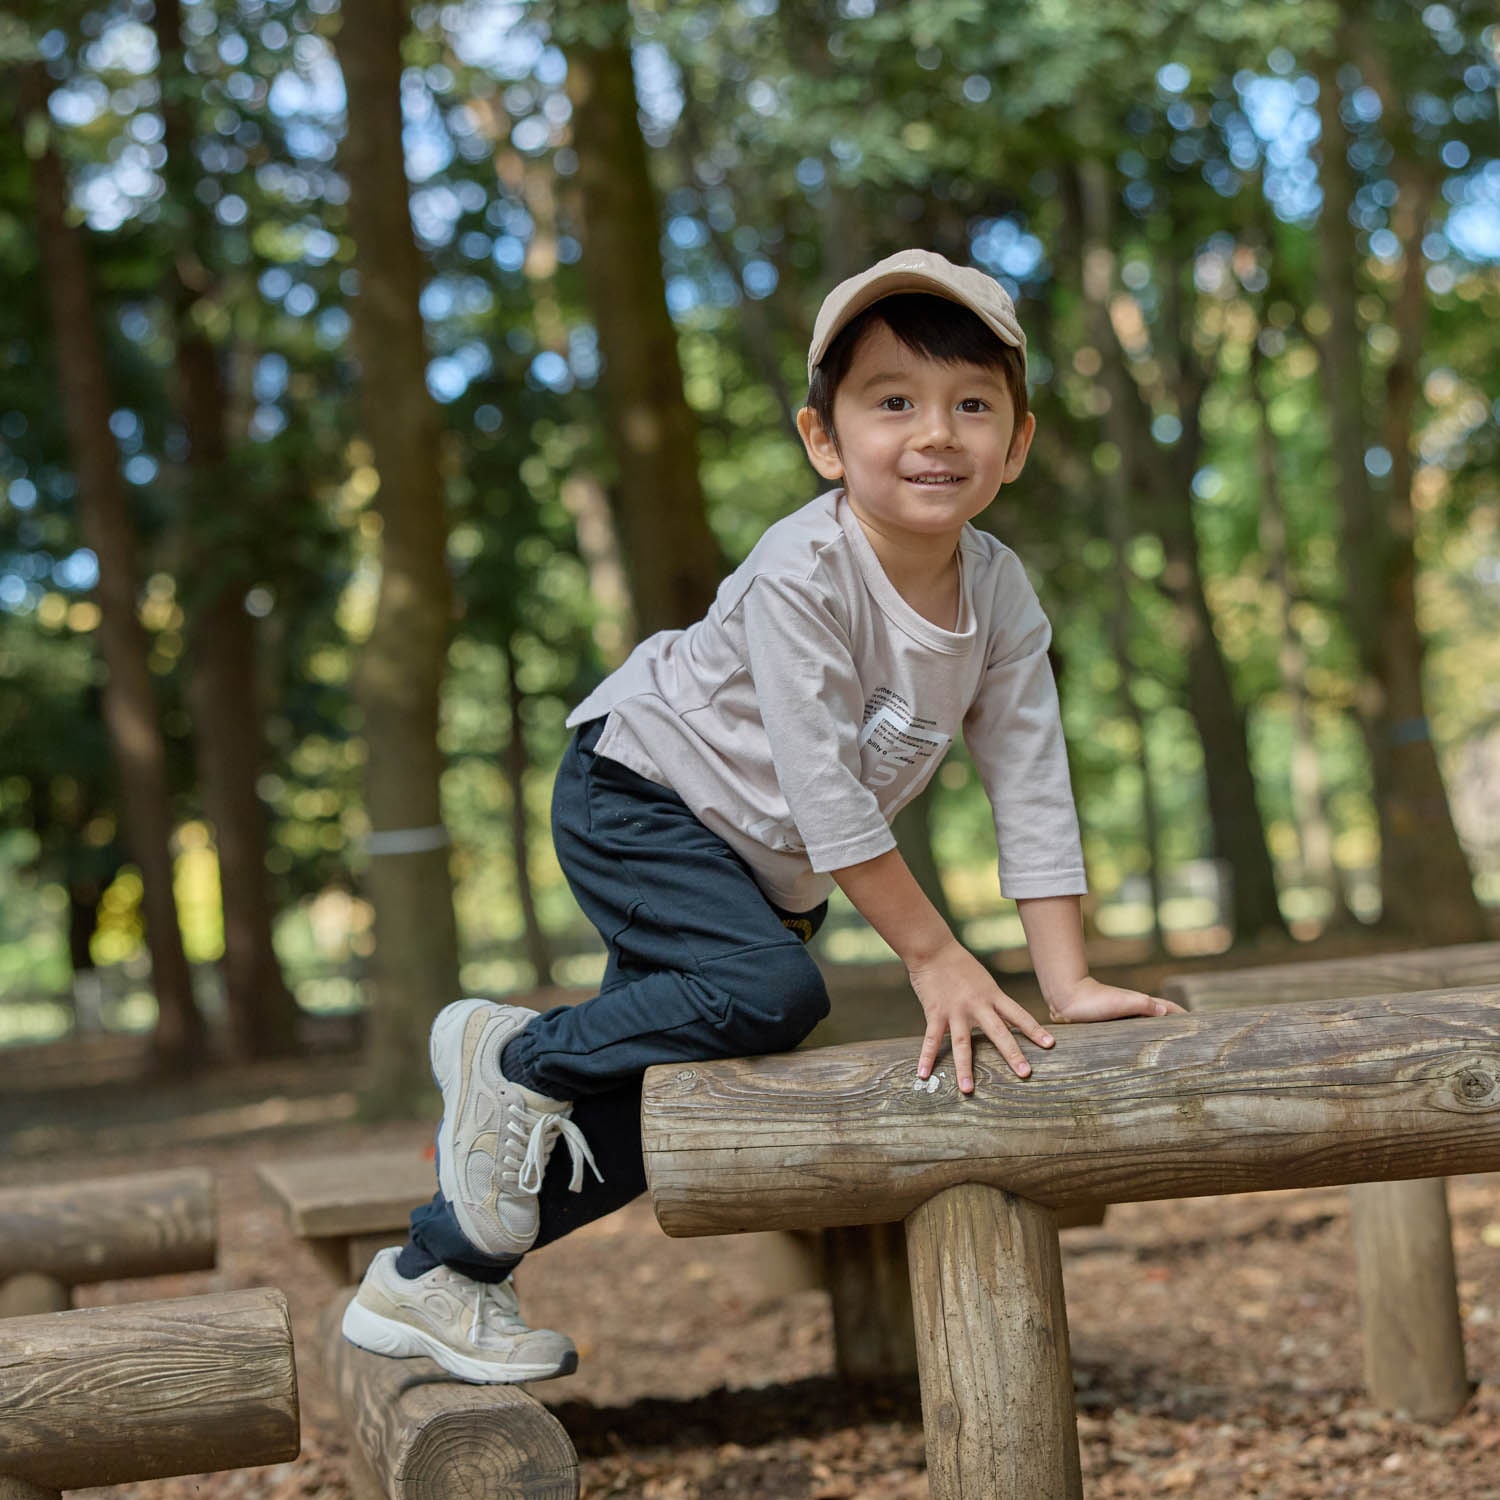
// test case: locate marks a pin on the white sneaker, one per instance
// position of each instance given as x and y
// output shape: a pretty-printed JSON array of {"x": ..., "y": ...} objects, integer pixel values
[
  {"x": 496, "y": 1137},
  {"x": 473, "y": 1329}
]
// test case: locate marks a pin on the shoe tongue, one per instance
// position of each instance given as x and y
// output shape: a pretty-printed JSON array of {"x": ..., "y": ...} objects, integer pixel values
[{"x": 541, "y": 1103}]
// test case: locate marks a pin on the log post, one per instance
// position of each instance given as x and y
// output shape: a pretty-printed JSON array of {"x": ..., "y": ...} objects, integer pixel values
[
  {"x": 425, "y": 1436},
  {"x": 992, "y": 1347},
  {"x": 1408, "y": 1297},
  {"x": 109, "y": 1395},
  {"x": 869, "y": 1286},
  {"x": 32, "y": 1292}
]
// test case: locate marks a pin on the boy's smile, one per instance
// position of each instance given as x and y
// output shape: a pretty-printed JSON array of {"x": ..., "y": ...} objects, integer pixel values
[{"x": 922, "y": 446}]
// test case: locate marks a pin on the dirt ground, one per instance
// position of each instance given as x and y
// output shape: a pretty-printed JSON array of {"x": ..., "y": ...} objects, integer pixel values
[{"x": 1215, "y": 1341}]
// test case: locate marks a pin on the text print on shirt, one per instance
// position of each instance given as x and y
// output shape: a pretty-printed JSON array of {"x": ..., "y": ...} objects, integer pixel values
[{"x": 896, "y": 736}]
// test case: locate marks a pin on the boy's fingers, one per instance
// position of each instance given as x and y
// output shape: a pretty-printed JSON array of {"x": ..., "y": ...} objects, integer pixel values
[
  {"x": 1008, "y": 1048},
  {"x": 963, "y": 1058},
  {"x": 1024, "y": 1021},
  {"x": 932, "y": 1044}
]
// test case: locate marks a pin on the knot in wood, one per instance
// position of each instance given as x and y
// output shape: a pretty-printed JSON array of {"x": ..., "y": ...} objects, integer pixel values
[{"x": 1477, "y": 1084}]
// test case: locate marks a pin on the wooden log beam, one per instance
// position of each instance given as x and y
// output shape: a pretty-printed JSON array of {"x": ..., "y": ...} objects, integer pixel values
[
  {"x": 143, "y": 1224},
  {"x": 1288, "y": 1096},
  {"x": 1460, "y": 966},
  {"x": 425, "y": 1436},
  {"x": 108, "y": 1395}
]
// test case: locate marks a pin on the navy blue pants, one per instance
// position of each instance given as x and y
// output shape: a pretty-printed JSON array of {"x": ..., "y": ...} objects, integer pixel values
[{"x": 700, "y": 965}]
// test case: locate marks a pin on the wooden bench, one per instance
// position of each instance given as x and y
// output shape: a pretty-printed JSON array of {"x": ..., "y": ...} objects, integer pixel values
[
  {"x": 58, "y": 1236},
  {"x": 348, "y": 1205},
  {"x": 1285, "y": 1096},
  {"x": 110, "y": 1395},
  {"x": 1403, "y": 1240}
]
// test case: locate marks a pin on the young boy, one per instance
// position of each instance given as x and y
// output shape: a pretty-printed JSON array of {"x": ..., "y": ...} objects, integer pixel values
[{"x": 724, "y": 779}]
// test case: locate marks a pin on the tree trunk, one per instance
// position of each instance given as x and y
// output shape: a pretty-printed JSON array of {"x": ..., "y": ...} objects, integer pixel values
[
  {"x": 222, "y": 688},
  {"x": 1426, "y": 884},
  {"x": 517, "y": 762},
  {"x": 129, "y": 700},
  {"x": 671, "y": 556},
  {"x": 415, "y": 969},
  {"x": 1239, "y": 837},
  {"x": 1314, "y": 832}
]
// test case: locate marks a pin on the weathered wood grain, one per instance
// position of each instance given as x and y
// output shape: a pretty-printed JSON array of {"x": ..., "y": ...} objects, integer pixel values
[
  {"x": 140, "y": 1224},
  {"x": 1461, "y": 966},
  {"x": 426, "y": 1436},
  {"x": 1286, "y": 1096},
  {"x": 105, "y": 1395},
  {"x": 992, "y": 1348}
]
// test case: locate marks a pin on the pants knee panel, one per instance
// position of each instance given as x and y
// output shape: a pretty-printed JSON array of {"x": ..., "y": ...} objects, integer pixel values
[{"x": 780, "y": 998}]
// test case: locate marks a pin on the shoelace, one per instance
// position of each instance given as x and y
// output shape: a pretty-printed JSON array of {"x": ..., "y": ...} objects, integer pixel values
[
  {"x": 500, "y": 1298},
  {"x": 547, "y": 1127}
]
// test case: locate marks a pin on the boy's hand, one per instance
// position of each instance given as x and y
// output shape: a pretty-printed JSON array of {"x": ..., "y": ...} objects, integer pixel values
[
  {"x": 1088, "y": 1000},
  {"x": 960, "y": 996}
]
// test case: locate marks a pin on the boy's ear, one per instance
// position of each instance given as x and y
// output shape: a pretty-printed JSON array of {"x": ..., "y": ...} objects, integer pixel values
[
  {"x": 822, "y": 451},
  {"x": 1020, "y": 446}
]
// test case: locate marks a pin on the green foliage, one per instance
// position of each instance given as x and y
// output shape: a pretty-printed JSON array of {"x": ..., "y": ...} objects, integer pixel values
[{"x": 792, "y": 143}]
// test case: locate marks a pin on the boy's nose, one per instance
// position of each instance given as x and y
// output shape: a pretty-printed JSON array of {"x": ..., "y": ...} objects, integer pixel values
[{"x": 938, "y": 431}]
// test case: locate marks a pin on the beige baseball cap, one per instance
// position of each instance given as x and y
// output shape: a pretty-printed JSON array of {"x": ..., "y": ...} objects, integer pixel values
[{"x": 916, "y": 271}]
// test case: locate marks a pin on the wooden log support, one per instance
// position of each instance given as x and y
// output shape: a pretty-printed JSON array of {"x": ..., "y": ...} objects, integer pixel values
[
  {"x": 32, "y": 1292},
  {"x": 1408, "y": 1298},
  {"x": 992, "y": 1346},
  {"x": 74, "y": 1233},
  {"x": 421, "y": 1435},
  {"x": 1308, "y": 1095},
  {"x": 1403, "y": 1243},
  {"x": 867, "y": 1274},
  {"x": 109, "y": 1395}
]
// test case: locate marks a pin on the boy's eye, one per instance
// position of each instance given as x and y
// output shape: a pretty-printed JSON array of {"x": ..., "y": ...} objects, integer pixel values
[
  {"x": 895, "y": 403},
  {"x": 974, "y": 404}
]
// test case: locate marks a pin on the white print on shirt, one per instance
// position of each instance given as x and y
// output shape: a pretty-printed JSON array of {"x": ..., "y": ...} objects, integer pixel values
[{"x": 897, "y": 736}]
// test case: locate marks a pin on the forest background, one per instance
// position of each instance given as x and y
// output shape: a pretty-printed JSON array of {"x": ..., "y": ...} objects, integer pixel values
[{"x": 372, "y": 376}]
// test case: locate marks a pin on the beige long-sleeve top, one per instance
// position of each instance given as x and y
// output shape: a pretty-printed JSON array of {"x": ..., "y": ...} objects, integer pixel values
[{"x": 812, "y": 702}]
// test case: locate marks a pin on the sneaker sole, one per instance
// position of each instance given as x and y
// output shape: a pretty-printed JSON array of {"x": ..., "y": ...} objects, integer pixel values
[
  {"x": 367, "y": 1330},
  {"x": 447, "y": 1031}
]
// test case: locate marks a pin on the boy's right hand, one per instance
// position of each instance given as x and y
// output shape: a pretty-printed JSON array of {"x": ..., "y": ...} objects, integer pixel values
[{"x": 959, "y": 996}]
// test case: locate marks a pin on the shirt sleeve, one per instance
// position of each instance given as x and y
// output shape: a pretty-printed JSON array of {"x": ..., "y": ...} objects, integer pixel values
[
  {"x": 802, "y": 666},
  {"x": 1014, "y": 732}
]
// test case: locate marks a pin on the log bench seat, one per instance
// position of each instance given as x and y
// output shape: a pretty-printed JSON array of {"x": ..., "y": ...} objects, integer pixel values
[
  {"x": 111, "y": 1395},
  {"x": 1298, "y": 1095},
  {"x": 57, "y": 1236}
]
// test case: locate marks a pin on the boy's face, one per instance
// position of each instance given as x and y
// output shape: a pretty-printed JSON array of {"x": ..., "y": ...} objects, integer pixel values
[{"x": 922, "y": 446}]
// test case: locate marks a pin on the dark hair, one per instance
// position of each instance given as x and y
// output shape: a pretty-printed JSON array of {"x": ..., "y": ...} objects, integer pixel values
[{"x": 926, "y": 324}]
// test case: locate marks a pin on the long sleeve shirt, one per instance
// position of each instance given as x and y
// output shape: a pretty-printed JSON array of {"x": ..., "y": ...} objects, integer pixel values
[{"x": 811, "y": 703}]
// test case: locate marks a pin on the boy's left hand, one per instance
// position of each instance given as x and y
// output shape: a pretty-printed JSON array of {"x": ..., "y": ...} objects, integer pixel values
[{"x": 1088, "y": 1000}]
